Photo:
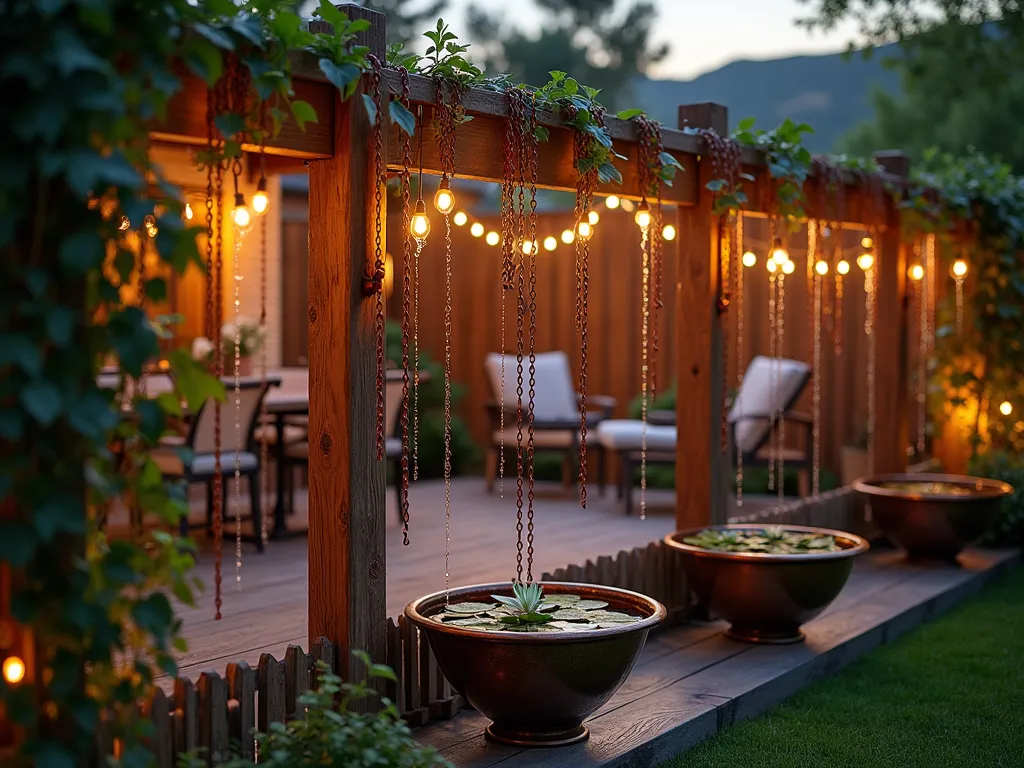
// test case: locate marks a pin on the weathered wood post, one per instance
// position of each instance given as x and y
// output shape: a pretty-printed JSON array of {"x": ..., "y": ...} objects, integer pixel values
[
  {"x": 891, "y": 436},
  {"x": 700, "y": 476},
  {"x": 346, "y": 482}
]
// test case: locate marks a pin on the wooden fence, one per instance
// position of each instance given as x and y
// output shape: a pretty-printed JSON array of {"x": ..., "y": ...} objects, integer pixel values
[{"x": 216, "y": 715}]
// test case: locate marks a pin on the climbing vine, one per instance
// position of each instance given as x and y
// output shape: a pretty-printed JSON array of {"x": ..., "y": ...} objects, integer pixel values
[{"x": 789, "y": 163}]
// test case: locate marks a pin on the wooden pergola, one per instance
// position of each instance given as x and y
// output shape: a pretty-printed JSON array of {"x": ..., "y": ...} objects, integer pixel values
[{"x": 346, "y": 599}]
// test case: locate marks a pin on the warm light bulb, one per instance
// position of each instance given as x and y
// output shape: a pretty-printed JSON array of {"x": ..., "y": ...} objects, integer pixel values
[
  {"x": 241, "y": 215},
  {"x": 627, "y": 205},
  {"x": 1006, "y": 407},
  {"x": 643, "y": 215},
  {"x": 843, "y": 267},
  {"x": 477, "y": 229},
  {"x": 14, "y": 670},
  {"x": 779, "y": 254},
  {"x": 550, "y": 243},
  {"x": 749, "y": 259},
  {"x": 584, "y": 229},
  {"x": 492, "y": 238},
  {"x": 789, "y": 267},
  {"x": 150, "y": 224},
  {"x": 593, "y": 217},
  {"x": 444, "y": 200},
  {"x": 865, "y": 261},
  {"x": 568, "y": 236},
  {"x": 461, "y": 218},
  {"x": 188, "y": 212},
  {"x": 124, "y": 223},
  {"x": 916, "y": 272},
  {"x": 867, "y": 243},
  {"x": 959, "y": 268},
  {"x": 260, "y": 200},
  {"x": 771, "y": 265},
  {"x": 527, "y": 247},
  {"x": 420, "y": 224},
  {"x": 612, "y": 202},
  {"x": 668, "y": 232},
  {"x": 821, "y": 267}
]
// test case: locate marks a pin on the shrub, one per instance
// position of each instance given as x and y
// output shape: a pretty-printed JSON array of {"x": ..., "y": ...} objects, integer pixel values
[{"x": 1008, "y": 528}]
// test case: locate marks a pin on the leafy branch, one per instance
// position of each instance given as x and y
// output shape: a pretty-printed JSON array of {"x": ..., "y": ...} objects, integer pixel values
[{"x": 789, "y": 163}]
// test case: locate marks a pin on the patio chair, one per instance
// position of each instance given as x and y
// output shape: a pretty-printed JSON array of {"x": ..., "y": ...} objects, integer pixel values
[
  {"x": 751, "y": 425},
  {"x": 297, "y": 453},
  {"x": 200, "y": 440},
  {"x": 556, "y": 413}
]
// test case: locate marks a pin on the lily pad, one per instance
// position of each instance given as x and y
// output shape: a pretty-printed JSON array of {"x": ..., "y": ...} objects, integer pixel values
[
  {"x": 590, "y": 605},
  {"x": 529, "y": 628},
  {"x": 471, "y": 608},
  {"x": 600, "y": 615},
  {"x": 569, "y": 614},
  {"x": 561, "y": 600},
  {"x": 573, "y": 626},
  {"x": 476, "y": 621}
]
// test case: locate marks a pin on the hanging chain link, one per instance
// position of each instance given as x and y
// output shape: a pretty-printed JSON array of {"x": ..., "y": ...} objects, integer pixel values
[
  {"x": 407, "y": 256},
  {"x": 507, "y": 277},
  {"x": 869, "y": 331},
  {"x": 373, "y": 279},
  {"x": 780, "y": 316},
  {"x": 773, "y": 354},
  {"x": 530, "y": 159},
  {"x": 814, "y": 303},
  {"x": 739, "y": 355}
]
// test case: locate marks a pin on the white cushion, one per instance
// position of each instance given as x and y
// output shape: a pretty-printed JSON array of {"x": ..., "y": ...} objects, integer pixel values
[
  {"x": 555, "y": 394},
  {"x": 627, "y": 435},
  {"x": 292, "y": 433},
  {"x": 171, "y": 465},
  {"x": 393, "y": 447},
  {"x": 542, "y": 438},
  {"x": 769, "y": 384}
]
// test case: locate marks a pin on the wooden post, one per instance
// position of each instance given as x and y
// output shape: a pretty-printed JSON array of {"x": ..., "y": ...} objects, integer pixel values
[
  {"x": 890, "y": 454},
  {"x": 700, "y": 481},
  {"x": 346, "y": 482}
]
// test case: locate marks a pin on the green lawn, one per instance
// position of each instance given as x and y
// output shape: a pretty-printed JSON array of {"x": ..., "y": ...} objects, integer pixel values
[{"x": 948, "y": 694}]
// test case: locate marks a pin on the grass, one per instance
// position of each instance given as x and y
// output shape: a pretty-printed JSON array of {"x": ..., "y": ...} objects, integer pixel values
[{"x": 951, "y": 693}]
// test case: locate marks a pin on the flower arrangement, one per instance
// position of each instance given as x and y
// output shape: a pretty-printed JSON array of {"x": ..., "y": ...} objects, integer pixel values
[{"x": 251, "y": 338}]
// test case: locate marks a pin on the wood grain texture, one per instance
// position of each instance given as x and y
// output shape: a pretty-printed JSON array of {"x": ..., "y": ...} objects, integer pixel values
[
  {"x": 700, "y": 486},
  {"x": 891, "y": 357},
  {"x": 186, "y": 704},
  {"x": 272, "y": 692},
  {"x": 242, "y": 689},
  {"x": 213, "y": 717},
  {"x": 346, "y": 495}
]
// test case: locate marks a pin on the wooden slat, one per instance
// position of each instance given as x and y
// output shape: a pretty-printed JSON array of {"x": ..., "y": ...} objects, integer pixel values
[
  {"x": 296, "y": 680},
  {"x": 242, "y": 688},
  {"x": 322, "y": 650},
  {"x": 186, "y": 706},
  {"x": 162, "y": 742},
  {"x": 213, "y": 721},
  {"x": 271, "y": 707}
]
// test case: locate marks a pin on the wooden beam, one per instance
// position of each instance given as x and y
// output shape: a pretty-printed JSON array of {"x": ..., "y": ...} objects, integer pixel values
[
  {"x": 346, "y": 482},
  {"x": 700, "y": 475},
  {"x": 891, "y": 350}
]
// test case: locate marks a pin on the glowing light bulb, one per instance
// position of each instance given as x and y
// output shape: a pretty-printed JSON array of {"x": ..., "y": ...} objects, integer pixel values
[
  {"x": 959, "y": 268},
  {"x": 240, "y": 215},
  {"x": 461, "y": 218},
  {"x": 612, "y": 202},
  {"x": 150, "y": 224},
  {"x": 1006, "y": 407},
  {"x": 419, "y": 227},
  {"x": 771, "y": 265},
  {"x": 568, "y": 236},
  {"x": 643, "y": 215},
  {"x": 821, "y": 267},
  {"x": 188, "y": 212},
  {"x": 14, "y": 670},
  {"x": 865, "y": 261},
  {"x": 492, "y": 238},
  {"x": 789, "y": 267},
  {"x": 916, "y": 272},
  {"x": 843, "y": 267},
  {"x": 550, "y": 243},
  {"x": 627, "y": 205},
  {"x": 124, "y": 224},
  {"x": 749, "y": 259},
  {"x": 477, "y": 229},
  {"x": 668, "y": 232},
  {"x": 444, "y": 199},
  {"x": 584, "y": 229},
  {"x": 867, "y": 243},
  {"x": 527, "y": 247},
  {"x": 593, "y": 217},
  {"x": 260, "y": 200},
  {"x": 779, "y": 254}
]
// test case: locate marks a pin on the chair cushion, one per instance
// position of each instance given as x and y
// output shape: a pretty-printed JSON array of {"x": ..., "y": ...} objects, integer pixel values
[
  {"x": 769, "y": 384},
  {"x": 627, "y": 435},
  {"x": 298, "y": 451},
  {"x": 555, "y": 398},
  {"x": 292, "y": 433},
  {"x": 393, "y": 447},
  {"x": 171, "y": 465},
  {"x": 542, "y": 438}
]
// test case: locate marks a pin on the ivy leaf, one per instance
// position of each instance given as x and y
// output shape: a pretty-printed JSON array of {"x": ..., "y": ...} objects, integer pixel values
[
  {"x": 628, "y": 114},
  {"x": 60, "y": 512},
  {"x": 204, "y": 59},
  {"x": 215, "y": 36},
  {"x": 667, "y": 159},
  {"x": 402, "y": 117},
  {"x": 303, "y": 112},
  {"x": 371, "y": 108},
  {"x": 154, "y": 614},
  {"x": 606, "y": 172},
  {"x": 342, "y": 76},
  {"x": 89, "y": 170},
  {"x": 229, "y": 124},
  {"x": 92, "y": 415},
  {"x": 195, "y": 384},
  {"x": 19, "y": 350},
  {"x": 17, "y": 542},
  {"x": 42, "y": 400}
]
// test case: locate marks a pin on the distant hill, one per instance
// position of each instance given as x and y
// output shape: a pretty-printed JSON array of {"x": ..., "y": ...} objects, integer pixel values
[{"x": 832, "y": 93}]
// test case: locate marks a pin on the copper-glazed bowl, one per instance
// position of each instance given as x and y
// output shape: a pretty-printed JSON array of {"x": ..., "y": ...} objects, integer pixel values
[
  {"x": 933, "y": 526},
  {"x": 537, "y": 688},
  {"x": 766, "y": 597}
]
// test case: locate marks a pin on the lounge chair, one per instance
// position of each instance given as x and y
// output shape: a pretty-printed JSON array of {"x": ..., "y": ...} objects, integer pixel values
[
  {"x": 750, "y": 420},
  {"x": 556, "y": 413}
]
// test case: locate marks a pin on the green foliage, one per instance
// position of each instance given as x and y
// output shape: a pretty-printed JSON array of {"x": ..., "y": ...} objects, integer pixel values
[
  {"x": 789, "y": 163},
  {"x": 1008, "y": 528},
  {"x": 774, "y": 540},
  {"x": 331, "y": 735},
  {"x": 526, "y": 606},
  {"x": 431, "y": 403}
]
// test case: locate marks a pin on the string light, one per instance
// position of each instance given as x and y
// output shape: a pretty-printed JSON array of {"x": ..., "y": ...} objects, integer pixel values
[
  {"x": 771, "y": 265},
  {"x": 444, "y": 198},
  {"x": 779, "y": 254},
  {"x": 150, "y": 224},
  {"x": 124, "y": 223},
  {"x": 916, "y": 273},
  {"x": 568, "y": 236},
  {"x": 261, "y": 200},
  {"x": 611, "y": 202},
  {"x": 593, "y": 217},
  {"x": 14, "y": 670},
  {"x": 528, "y": 247},
  {"x": 584, "y": 230},
  {"x": 477, "y": 229},
  {"x": 821, "y": 267},
  {"x": 188, "y": 212},
  {"x": 843, "y": 267},
  {"x": 959, "y": 272},
  {"x": 550, "y": 243},
  {"x": 789, "y": 267},
  {"x": 643, "y": 215},
  {"x": 419, "y": 226},
  {"x": 867, "y": 243},
  {"x": 749, "y": 259},
  {"x": 668, "y": 232},
  {"x": 865, "y": 261},
  {"x": 493, "y": 238},
  {"x": 241, "y": 215},
  {"x": 959, "y": 268},
  {"x": 460, "y": 219},
  {"x": 1006, "y": 407}
]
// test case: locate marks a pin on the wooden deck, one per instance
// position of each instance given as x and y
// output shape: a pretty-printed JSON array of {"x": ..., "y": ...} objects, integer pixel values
[
  {"x": 266, "y": 611},
  {"x": 693, "y": 681}
]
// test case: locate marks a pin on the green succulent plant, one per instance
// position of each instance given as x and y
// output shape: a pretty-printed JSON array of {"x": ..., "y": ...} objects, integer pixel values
[
  {"x": 776, "y": 540},
  {"x": 526, "y": 606}
]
